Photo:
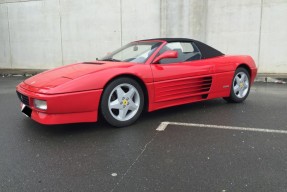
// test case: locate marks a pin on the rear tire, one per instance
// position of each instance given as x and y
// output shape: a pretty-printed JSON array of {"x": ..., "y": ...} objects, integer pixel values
[
  {"x": 240, "y": 86},
  {"x": 122, "y": 102}
]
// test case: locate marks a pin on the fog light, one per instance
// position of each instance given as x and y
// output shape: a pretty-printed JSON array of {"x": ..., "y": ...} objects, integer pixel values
[{"x": 40, "y": 104}]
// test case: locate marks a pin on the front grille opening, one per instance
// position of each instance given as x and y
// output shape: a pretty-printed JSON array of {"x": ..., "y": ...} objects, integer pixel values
[{"x": 23, "y": 98}]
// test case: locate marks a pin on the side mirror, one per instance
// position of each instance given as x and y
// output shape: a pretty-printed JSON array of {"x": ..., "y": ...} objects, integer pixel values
[{"x": 166, "y": 55}]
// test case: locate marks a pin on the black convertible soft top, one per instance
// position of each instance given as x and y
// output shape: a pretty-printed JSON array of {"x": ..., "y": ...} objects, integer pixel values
[{"x": 206, "y": 50}]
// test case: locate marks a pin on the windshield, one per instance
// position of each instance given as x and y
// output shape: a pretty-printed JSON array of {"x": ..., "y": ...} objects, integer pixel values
[{"x": 137, "y": 52}]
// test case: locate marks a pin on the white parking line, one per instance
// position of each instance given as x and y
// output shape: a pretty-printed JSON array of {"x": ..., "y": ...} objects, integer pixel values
[{"x": 164, "y": 125}]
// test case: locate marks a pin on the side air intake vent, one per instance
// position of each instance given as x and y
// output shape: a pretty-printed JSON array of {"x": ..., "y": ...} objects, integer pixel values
[{"x": 183, "y": 88}]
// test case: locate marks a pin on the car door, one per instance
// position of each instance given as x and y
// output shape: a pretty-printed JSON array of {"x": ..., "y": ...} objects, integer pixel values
[{"x": 183, "y": 77}]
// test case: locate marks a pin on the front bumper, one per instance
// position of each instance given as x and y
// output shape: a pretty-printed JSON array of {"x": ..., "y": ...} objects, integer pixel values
[{"x": 64, "y": 108}]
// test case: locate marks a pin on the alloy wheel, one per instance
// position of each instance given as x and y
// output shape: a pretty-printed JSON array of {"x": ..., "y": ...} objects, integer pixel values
[{"x": 124, "y": 102}]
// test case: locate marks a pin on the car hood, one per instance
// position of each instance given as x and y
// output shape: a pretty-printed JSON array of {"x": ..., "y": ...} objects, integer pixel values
[{"x": 58, "y": 76}]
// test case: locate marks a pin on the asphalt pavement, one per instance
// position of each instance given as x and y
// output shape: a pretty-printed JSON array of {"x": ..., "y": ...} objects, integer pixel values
[{"x": 229, "y": 147}]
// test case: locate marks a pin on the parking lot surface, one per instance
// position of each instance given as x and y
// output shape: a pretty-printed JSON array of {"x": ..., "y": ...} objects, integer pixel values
[{"x": 249, "y": 156}]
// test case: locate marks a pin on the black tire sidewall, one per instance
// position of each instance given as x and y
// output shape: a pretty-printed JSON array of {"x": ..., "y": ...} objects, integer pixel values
[{"x": 105, "y": 97}]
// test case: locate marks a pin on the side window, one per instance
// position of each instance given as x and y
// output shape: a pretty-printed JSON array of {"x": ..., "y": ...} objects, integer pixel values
[{"x": 187, "y": 51}]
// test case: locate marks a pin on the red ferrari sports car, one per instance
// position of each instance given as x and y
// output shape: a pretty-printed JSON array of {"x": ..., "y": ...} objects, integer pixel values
[{"x": 143, "y": 75}]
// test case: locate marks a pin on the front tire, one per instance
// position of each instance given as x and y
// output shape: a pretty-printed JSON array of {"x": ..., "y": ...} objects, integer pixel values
[
  {"x": 122, "y": 102},
  {"x": 240, "y": 86}
]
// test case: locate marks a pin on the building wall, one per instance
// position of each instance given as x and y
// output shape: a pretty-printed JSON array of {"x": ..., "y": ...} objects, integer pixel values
[
  {"x": 43, "y": 34},
  {"x": 254, "y": 27},
  {"x": 234, "y": 26},
  {"x": 273, "y": 46}
]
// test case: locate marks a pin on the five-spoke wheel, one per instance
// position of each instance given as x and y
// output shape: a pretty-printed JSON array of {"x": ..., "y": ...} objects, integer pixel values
[
  {"x": 240, "y": 86},
  {"x": 122, "y": 102}
]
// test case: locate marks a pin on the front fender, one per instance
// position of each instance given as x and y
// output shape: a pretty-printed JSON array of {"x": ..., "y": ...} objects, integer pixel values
[{"x": 99, "y": 79}]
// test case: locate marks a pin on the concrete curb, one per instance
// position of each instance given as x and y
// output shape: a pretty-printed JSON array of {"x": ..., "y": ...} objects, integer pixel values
[
  {"x": 263, "y": 77},
  {"x": 271, "y": 78},
  {"x": 20, "y": 72}
]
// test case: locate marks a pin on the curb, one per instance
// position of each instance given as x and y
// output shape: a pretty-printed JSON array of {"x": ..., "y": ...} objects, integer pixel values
[{"x": 20, "y": 72}]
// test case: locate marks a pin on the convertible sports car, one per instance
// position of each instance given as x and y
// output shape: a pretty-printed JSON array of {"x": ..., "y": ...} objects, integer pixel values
[{"x": 143, "y": 75}]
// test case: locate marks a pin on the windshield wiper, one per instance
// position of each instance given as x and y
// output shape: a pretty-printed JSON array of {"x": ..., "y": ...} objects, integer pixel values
[{"x": 111, "y": 59}]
